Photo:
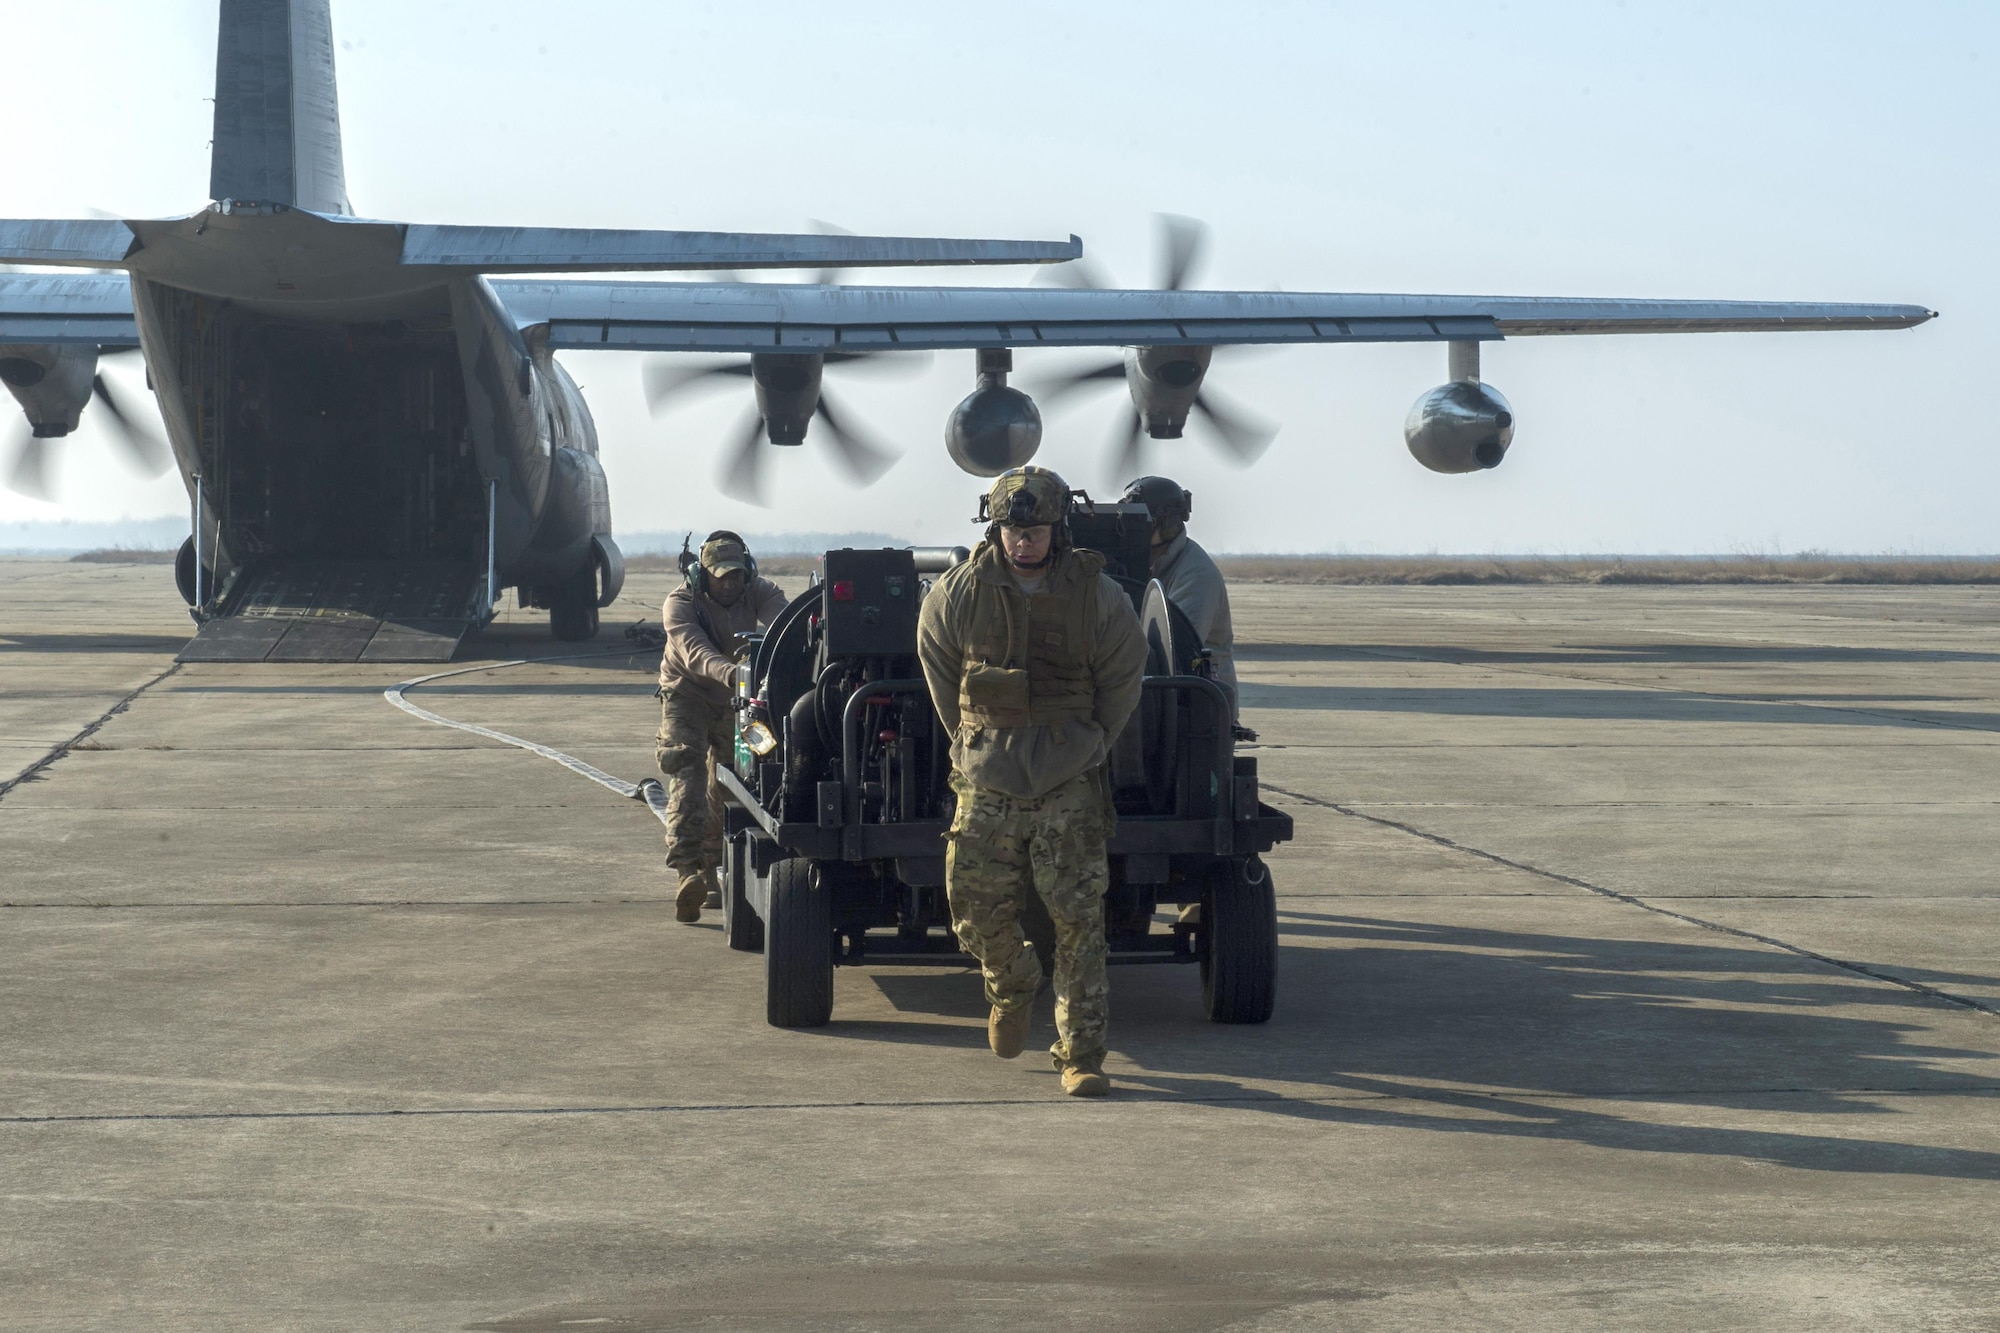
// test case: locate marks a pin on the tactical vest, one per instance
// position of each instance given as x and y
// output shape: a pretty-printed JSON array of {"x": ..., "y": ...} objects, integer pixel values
[{"x": 1027, "y": 659}]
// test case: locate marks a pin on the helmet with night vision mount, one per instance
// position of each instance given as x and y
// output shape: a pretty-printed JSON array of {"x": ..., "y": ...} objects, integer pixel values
[{"x": 1028, "y": 497}]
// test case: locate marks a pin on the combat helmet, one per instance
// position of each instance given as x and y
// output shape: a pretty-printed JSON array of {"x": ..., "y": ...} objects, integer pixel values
[
  {"x": 1027, "y": 497},
  {"x": 1164, "y": 499}
]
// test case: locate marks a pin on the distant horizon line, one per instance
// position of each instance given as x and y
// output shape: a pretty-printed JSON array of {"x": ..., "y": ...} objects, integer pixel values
[{"x": 18, "y": 539}]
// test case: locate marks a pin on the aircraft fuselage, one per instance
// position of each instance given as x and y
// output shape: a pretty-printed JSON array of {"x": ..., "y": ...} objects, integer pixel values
[{"x": 325, "y": 401}]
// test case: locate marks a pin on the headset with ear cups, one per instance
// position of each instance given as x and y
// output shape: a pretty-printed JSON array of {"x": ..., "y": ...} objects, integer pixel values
[{"x": 694, "y": 575}]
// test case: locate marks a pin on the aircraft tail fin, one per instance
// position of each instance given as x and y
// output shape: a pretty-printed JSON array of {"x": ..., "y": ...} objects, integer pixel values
[{"x": 277, "y": 114}]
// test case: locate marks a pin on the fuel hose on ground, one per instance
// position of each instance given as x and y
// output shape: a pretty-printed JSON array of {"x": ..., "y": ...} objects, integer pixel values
[{"x": 649, "y": 790}]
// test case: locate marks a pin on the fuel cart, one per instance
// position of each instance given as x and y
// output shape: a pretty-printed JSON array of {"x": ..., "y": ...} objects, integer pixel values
[{"x": 837, "y": 805}]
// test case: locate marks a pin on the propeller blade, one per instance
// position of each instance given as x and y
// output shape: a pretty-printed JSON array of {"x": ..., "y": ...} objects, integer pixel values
[
  {"x": 1127, "y": 446},
  {"x": 742, "y": 476},
  {"x": 1078, "y": 275},
  {"x": 828, "y": 277},
  {"x": 29, "y": 473},
  {"x": 146, "y": 451},
  {"x": 1046, "y": 389},
  {"x": 663, "y": 379},
  {"x": 876, "y": 363},
  {"x": 1181, "y": 243},
  {"x": 864, "y": 461},
  {"x": 1244, "y": 436}
]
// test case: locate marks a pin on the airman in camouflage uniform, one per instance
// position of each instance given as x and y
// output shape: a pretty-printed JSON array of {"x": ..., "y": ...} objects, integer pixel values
[
  {"x": 1034, "y": 660},
  {"x": 721, "y": 599}
]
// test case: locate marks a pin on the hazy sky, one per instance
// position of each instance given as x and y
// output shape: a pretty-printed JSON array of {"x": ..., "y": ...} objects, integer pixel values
[{"x": 1799, "y": 151}]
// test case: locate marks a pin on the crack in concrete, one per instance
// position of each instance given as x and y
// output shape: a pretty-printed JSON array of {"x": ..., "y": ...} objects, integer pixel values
[
  {"x": 1859, "y": 969},
  {"x": 30, "y": 773}
]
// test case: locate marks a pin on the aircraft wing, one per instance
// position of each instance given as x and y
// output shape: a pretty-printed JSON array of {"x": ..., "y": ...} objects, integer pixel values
[
  {"x": 112, "y": 243},
  {"x": 67, "y": 308},
  {"x": 585, "y": 249},
  {"x": 764, "y": 317}
]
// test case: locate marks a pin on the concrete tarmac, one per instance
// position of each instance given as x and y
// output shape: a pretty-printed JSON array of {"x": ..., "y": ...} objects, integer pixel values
[{"x": 1640, "y": 967}]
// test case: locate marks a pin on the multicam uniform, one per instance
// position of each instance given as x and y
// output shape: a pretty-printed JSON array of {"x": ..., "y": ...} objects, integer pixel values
[
  {"x": 1033, "y": 680},
  {"x": 696, "y": 721}
]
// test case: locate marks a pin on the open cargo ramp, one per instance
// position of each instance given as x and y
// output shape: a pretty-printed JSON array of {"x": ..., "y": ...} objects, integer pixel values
[{"x": 294, "y": 610}]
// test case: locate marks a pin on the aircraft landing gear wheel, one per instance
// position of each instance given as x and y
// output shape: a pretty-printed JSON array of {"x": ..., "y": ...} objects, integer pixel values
[
  {"x": 740, "y": 922},
  {"x": 798, "y": 948},
  {"x": 573, "y": 609},
  {"x": 1239, "y": 977}
]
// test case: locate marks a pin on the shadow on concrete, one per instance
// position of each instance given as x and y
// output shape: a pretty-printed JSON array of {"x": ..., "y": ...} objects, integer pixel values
[
  {"x": 183, "y": 685},
  {"x": 1608, "y": 704},
  {"x": 108, "y": 641},
  {"x": 1397, "y": 1008},
  {"x": 1603, "y": 654},
  {"x": 485, "y": 687},
  {"x": 1475, "y": 1031},
  {"x": 608, "y": 652}
]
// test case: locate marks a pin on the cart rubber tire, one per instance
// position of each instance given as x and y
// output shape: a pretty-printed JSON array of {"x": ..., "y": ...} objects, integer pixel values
[
  {"x": 740, "y": 923},
  {"x": 798, "y": 948},
  {"x": 1239, "y": 978}
]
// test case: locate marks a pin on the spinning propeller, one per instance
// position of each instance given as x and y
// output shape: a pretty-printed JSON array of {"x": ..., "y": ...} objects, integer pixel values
[
  {"x": 789, "y": 397},
  {"x": 1165, "y": 383},
  {"x": 29, "y": 471}
]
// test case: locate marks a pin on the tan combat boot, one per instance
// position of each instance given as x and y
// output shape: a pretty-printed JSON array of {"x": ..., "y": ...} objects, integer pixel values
[
  {"x": 1080, "y": 1082},
  {"x": 1007, "y": 1033},
  {"x": 694, "y": 892}
]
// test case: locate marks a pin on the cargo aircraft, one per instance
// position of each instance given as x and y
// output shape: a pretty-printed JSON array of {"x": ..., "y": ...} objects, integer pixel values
[{"x": 375, "y": 435}]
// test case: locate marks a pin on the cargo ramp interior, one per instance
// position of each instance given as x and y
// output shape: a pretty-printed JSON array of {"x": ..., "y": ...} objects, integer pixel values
[{"x": 342, "y": 489}]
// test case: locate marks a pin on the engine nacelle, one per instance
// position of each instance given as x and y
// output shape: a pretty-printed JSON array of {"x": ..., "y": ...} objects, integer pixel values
[
  {"x": 1464, "y": 426},
  {"x": 51, "y": 382},
  {"x": 996, "y": 427},
  {"x": 1164, "y": 382},
  {"x": 787, "y": 385}
]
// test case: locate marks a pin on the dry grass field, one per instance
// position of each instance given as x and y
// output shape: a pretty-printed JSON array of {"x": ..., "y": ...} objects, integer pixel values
[
  {"x": 1807, "y": 568},
  {"x": 123, "y": 555},
  {"x": 1447, "y": 569}
]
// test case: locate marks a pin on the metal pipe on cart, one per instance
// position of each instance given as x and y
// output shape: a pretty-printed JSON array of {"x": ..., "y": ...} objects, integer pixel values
[
  {"x": 850, "y": 728},
  {"x": 1223, "y": 774}
]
